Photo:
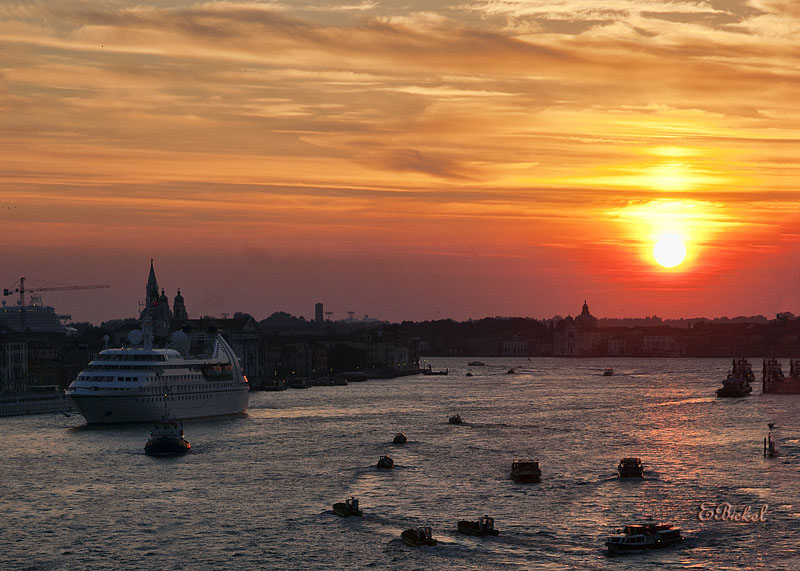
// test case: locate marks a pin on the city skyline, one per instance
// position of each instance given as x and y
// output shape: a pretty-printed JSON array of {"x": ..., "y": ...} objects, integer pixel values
[{"x": 411, "y": 161}]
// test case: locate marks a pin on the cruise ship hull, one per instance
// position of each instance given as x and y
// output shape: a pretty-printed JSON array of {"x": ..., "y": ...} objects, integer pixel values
[{"x": 116, "y": 409}]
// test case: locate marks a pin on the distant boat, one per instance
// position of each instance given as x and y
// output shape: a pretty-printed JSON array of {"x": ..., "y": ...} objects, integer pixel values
[
  {"x": 455, "y": 419},
  {"x": 476, "y": 363},
  {"x": 644, "y": 536},
  {"x": 400, "y": 438},
  {"x": 385, "y": 462},
  {"x": 511, "y": 371},
  {"x": 630, "y": 468},
  {"x": 481, "y": 528},
  {"x": 347, "y": 508},
  {"x": 737, "y": 383},
  {"x": 774, "y": 381},
  {"x": 608, "y": 372},
  {"x": 525, "y": 471},
  {"x": 429, "y": 371},
  {"x": 469, "y": 374},
  {"x": 418, "y": 536}
]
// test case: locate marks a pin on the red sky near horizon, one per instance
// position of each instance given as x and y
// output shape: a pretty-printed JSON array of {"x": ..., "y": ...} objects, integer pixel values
[{"x": 414, "y": 160}]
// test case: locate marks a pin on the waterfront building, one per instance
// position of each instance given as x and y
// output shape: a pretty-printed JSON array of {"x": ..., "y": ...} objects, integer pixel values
[{"x": 13, "y": 366}]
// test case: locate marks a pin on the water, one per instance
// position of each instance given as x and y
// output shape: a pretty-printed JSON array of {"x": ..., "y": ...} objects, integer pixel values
[{"x": 256, "y": 492}]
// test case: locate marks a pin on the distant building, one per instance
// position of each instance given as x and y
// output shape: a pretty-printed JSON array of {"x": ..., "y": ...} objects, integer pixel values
[
  {"x": 156, "y": 306},
  {"x": 179, "y": 309},
  {"x": 585, "y": 320},
  {"x": 13, "y": 366},
  {"x": 319, "y": 316}
]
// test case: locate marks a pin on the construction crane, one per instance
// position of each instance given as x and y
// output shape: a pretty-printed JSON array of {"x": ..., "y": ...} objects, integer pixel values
[{"x": 22, "y": 290}]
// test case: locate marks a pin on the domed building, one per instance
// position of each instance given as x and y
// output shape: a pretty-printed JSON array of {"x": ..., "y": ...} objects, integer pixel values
[
  {"x": 179, "y": 309},
  {"x": 585, "y": 320},
  {"x": 578, "y": 336}
]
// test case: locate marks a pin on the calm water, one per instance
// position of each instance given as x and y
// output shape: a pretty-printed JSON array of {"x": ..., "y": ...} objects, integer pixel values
[{"x": 256, "y": 492}]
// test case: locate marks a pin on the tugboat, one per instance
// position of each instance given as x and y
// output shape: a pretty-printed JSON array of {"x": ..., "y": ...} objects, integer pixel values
[
  {"x": 644, "y": 536},
  {"x": 418, "y": 536},
  {"x": 481, "y": 528},
  {"x": 385, "y": 462},
  {"x": 400, "y": 438},
  {"x": 455, "y": 419},
  {"x": 737, "y": 383},
  {"x": 347, "y": 508},
  {"x": 525, "y": 472},
  {"x": 166, "y": 439},
  {"x": 630, "y": 468}
]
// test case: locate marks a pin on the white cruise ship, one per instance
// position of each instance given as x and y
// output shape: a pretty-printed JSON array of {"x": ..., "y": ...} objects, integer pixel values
[{"x": 138, "y": 383}]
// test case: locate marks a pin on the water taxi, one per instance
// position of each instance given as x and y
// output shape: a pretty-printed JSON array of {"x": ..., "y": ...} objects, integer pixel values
[
  {"x": 347, "y": 508},
  {"x": 418, "y": 536},
  {"x": 481, "y": 528},
  {"x": 644, "y": 536},
  {"x": 630, "y": 468},
  {"x": 525, "y": 472},
  {"x": 385, "y": 462}
]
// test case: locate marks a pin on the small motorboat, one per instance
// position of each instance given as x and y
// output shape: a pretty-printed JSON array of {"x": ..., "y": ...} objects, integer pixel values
[
  {"x": 644, "y": 536},
  {"x": 481, "y": 528},
  {"x": 166, "y": 439},
  {"x": 418, "y": 536},
  {"x": 525, "y": 472},
  {"x": 385, "y": 462},
  {"x": 469, "y": 374},
  {"x": 476, "y": 363},
  {"x": 511, "y": 371},
  {"x": 608, "y": 372},
  {"x": 347, "y": 508},
  {"x": 455, "y": 419},
  {"x": 400, "y": 438},
  {"x": 429, "y": 371},
  {"x": 630, "y": 468}
]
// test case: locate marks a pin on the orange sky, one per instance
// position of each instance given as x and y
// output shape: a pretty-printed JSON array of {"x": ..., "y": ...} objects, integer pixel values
[{"x": 404, "y": 160}]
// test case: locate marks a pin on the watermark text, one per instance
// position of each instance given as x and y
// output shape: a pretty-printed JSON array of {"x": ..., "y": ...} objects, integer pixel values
[{"x": 726, "y": 512}]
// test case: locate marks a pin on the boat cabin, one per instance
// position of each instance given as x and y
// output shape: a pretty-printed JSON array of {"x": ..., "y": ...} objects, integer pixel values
[{"x": 525, "y": 471}]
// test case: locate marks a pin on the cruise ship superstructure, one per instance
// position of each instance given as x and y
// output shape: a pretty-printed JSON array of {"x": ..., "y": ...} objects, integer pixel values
[{"x": 142, "y": 383}]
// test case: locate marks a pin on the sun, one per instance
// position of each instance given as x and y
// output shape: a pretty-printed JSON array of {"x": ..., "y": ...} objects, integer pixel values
[{"x": 669, "y": 250}]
